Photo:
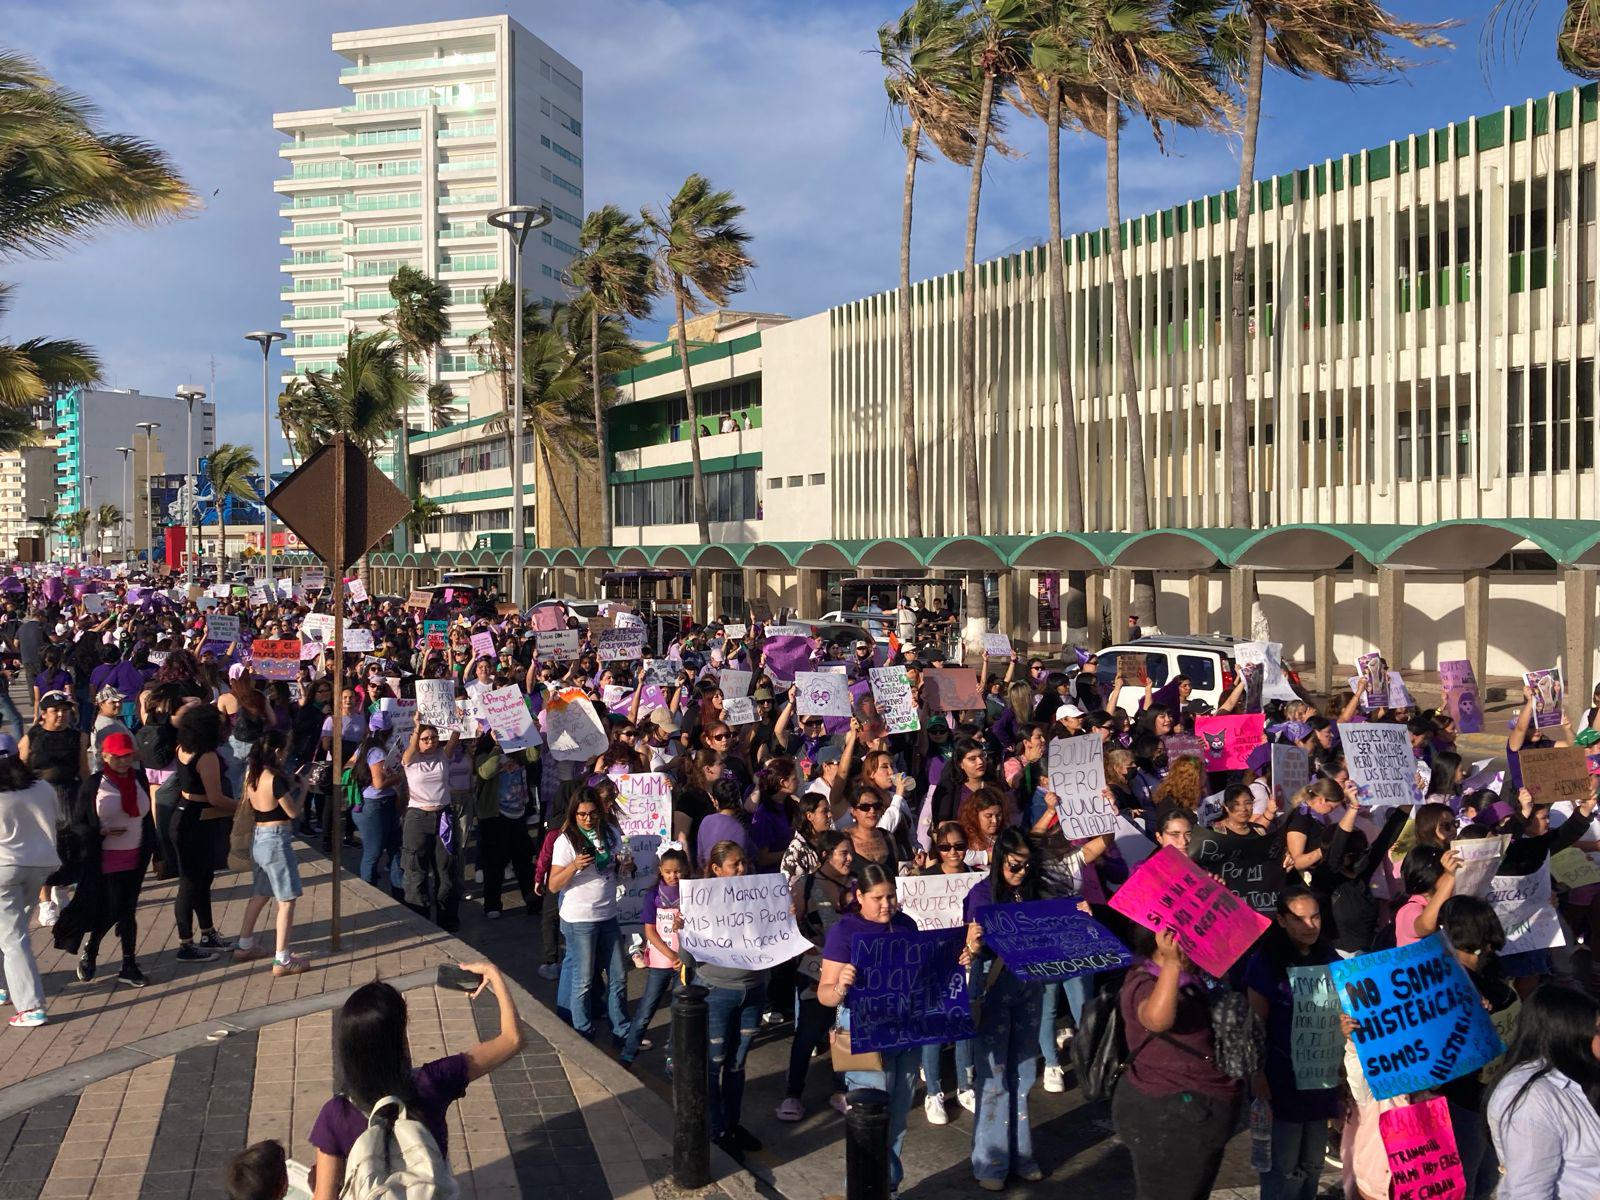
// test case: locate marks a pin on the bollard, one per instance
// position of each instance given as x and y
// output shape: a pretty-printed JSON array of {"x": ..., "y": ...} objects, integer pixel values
[
  {"x": 691, "y": 1130},
  {"x": 866, "y": 1145}
]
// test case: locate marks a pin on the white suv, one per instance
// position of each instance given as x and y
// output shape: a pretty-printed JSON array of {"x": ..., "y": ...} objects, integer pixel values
[{"x": 1206, "y": 661}]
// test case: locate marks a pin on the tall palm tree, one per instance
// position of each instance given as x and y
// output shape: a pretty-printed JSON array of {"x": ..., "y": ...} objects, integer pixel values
[
  {"x": 1346, "y": 41},
  {"x": 29, "y": 369},
  {"x": 296, "y": 406},
  {"x": 49, "y": 525},
  {"x": 423, "y": 510},
  {"x": 363, "y": 397},
  {"x": 74, "y": 526},
  {"x": 930, "y": 89},
  {"x": 700, "y": 259},
  {"x": 1577, "y": 34},
  {"x": 17, "y": 428},
  {"x": 229, "y": 470},
  {"x": 419, "y": 324},
  {"x": 441, "y": 405},
  {"x": 615, "y": 278},
  {"x": 107, "y": 519}
]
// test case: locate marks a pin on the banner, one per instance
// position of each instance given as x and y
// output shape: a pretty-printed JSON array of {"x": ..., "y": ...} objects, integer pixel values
[
  {"x": 1316, "y": 1046},
  {"x": 1480, "y": 859},
  {"x": 573, "y": 729},
  {"x": 784, "y": 656},
  {"x": 1419, "y": 1020},
  {"x": 1555, "y": 773},
  {"x": 1545, "y": 687},
  {"x": 1229, "y": 739},
  {"x": 1050, "y": 939},
  {"x": 1076, "y": 773},
  {"x": 557, "y": 646},
  {"x": 1291, "y": 771},
  {"x": 822, "y": 694},
  {"x": 1213, "y": 926},
  {"x": 506, "y": 711},
  {"x": 644, "y": 814},
  {"x": 935, "y": 901},
  {"x": 275, "y": 658},
  {"x": 1380, "y": 763},
  {"x": 740, "y": 921},
  {"x": 951, "y": 689},
  {"x": 910, "y": 990},
  {"x": 1522, "y": 902},
  {"x": 1424, "y": 1163},
  {"x": 1460, "y": 687},
  {"x": 891, "y": 689}
]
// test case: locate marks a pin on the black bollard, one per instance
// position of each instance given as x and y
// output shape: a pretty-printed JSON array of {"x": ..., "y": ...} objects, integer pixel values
[
  {"x": 691, "y": 1131},
  {"x": 866, "y": 1145}
]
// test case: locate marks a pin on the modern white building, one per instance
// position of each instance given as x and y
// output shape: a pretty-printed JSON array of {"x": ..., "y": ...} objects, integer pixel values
[
  {"x": 90, "y": 425},
  {"x": 27, "y": 491},
  {"x": 445, "y": 122}
]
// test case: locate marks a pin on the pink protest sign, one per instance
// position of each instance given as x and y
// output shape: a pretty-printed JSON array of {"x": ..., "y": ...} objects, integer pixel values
[
  {"x": 1213, "y": 926},
  {"x": 483, "y": 645},
  {"x": 1229, "y": 739},
  {"x": 1423, "y": 1160},
  {"x": 549, "y": 619}
]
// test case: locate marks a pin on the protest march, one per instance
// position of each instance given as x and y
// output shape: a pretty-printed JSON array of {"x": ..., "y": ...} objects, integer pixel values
[{"x": 955, "y": 882}]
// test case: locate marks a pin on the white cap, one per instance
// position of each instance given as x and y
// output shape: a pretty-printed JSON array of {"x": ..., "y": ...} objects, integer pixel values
[
  {"x": 236, "y": 670},
  {"x": 1070, "y": 710}
]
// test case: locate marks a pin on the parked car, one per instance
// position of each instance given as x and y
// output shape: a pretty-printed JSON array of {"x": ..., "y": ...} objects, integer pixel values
[{"x": 1206, "y": 661}]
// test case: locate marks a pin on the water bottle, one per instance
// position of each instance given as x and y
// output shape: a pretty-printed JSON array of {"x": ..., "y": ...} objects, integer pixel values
[{"x": 1260, "y": 1136}]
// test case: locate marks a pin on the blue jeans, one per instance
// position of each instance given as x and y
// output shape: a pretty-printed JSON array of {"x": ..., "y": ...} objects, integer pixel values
[
  {"x": 376, "y": 824},
  {"x": 1007, "y": 1043},
  {"x": 1297, "y": 1151},
  {"x": 734, "y": 1018},
  {"x": 10, "y": 718},
  {"x": 657, "y": 987},
  {"x": 898, "y": 1079},
  {"x": 1077, "y": 990},
  {"x": 932, "y": 1064},
  {"x": 591, "y": 946}
]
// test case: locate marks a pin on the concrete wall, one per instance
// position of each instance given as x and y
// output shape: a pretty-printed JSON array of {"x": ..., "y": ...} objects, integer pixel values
[{"x": 797, "y": 431}]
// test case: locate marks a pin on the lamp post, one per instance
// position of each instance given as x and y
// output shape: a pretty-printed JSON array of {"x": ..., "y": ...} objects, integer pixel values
[
  {"x": 191, "y": 393},
  {"x": 518, "y": 220},
  {"x": 264, "y": 338},
  {"x": 149, "y": 428},
  {"x": 127, "y": 501},
  {"x": 88, "y": 486}
]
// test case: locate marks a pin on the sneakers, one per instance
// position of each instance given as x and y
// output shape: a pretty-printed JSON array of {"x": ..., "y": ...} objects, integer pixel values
[
  {"x": 249, "y": 953},
  {"x": 49, "y": 913},
  {"x": 550, "y": 971},
  {"x": 992, "y": 1185},
  {"x": 839, "y": 1103},
  {"x": 1055, "y": 1079},
  {"x": 190, "y": 953},
  {"x": 773, "y": 1018},
  {"x": 792, "y": 1109},
  {"x": 131, "y": 975},
  {"x": 968, "y": 1099},
  {"x": 1030, "y": 1174},
  {"x": 933, "y": 1107},
  {"x": 295, "y": 966},
  {"x": 492, "y": 916},
  {"x": 212, "y": 940},
  {"x": 1064, "y": 1036},
  {"x": 85, "y": 967},
  {"x": 28, "y": 1020}
]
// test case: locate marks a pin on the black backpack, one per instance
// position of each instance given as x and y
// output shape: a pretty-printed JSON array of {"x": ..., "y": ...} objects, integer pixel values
[
  {"x": 1100, "y": 1051},
  {"x": 156, "y": 744}
]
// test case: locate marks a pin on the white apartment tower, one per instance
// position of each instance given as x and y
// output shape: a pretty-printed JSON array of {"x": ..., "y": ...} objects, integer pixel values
[{"x": 447, "y": 121}]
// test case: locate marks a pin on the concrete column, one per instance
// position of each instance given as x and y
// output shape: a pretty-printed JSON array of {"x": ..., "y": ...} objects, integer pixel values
[
  {"x": 1121, "y": 602},
  {"x": 1577, "y": 596},
  {"x": 1241, "y": 590},
  {"x": 1391, "y": 615},
  {"x": 1094, "y": 607},
  {"x": 1199, "y": 601},
  {"x": 1008, "y": 603},
  {"x": 1322, "y": 600},
  {"x": 811, "y": 595},
  {"x": 1475, "y": 594},
  {"x": 713, "y": 594}
]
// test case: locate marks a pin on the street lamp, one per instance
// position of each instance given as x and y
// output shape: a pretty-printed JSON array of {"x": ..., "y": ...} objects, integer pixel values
[
  {"x": 127, "y": 501},
  {"x": 191, "y": 393},
  {"x": 149, "y": 428},
  {"x": 88, "y": 484},
  {"x": 264, "y": 338},
  {"x": 518, "y": 220}
]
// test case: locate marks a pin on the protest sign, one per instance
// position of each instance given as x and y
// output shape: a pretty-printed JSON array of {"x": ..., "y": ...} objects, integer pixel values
[
  {"x": 221, "y": 628},
  {"x": 434, "y": 634},
  {"x": 644, "y": 816},
  {"x": 1249, "y": 867},
  {"x": 313, "y": 579},
  {"x": 997, "y": 645},
  {"x": 1419, "y": 1021},
  {"x": 356, "y": 591},
  {"x": 1370, "y": 667},
  {"x": 822, "y": 694},
  {"x": 1380, "y": 763},
  {"x": 1522, "y": 902},
  {"x": 419, "y": 598},
  {"x": 1229, "y": 739},
  {"x": 436, "y": 703},
  {"x": 1460, "y": 687},
  {"x": 739, "y": 710},
  {"x": 785, "y": 656},
  {"x": 275, "y": 658},
  {"x": 1291, "y": 771},
  {"x": 733, "y": 683},
  {"x": 317, "y": 627},
  {"x": 1548, "y": 695},
  {"x": 1267, "y": 659},
  {"x": 1050, "y": 939},
  {"x": 910, "y": 990},
  {"x": 573, "y": 729},
  {"x": 951, "y": 689},
  {"x": 1505, "y": 1024},
  {"x": 1571, "y": 868},
  {"x": 559, "y": 645},
  {"x": 549, "y": 618},
  {"x": 358, "y": 641},
  {"x": 1424, "y": 1163},
  {"x": 935, "y": 901},
  {"x": 1133, "y": 844},
  {"x": 482, "y": 645},
  {"x": 1480, "y": 859},
  {"x": 1076, "y": 772},
  {"x": 94, "y": 604},
  {"x": 891, "y": 691},
  {"x": 734, "y": 633},
  {"x": 620, "y": 645},
  {"x": 778, "y": 631},
  {"x": 742, "y": 921},
  {"x": 1316, "y": 1046},
  {"x": 1179, "y": 745},
  {"x": 1212, "y": 925},
  {"x": 1555, "y": 773},
  {"x": 662, "y": 672},
  {"x": 506, "y": 711}
]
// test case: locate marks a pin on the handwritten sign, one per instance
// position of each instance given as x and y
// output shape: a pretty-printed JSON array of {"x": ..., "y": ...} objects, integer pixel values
[
  {"x": 356, "y": 590},
  {"x": 620, "y": 644},
  {"x": 1291, "y": 771},
  {"x": 506, "y": 712},
  {"x": 1424, "y": 1163},
  {"x": 1460, "y": 687},
  {"x": 436, "y": 702},
  {"x": 741, "y": 921},
  {"x": 557, "y": 646},
  {"x": 1505, "y": 1025},
  {"x": 997, "y": 645},
  {"x": 221, "y": 628},
  {"x": 1572, "y": 868},
  {"x": 822, "y": 694},
  {"x": 739, "y": 710},
  {"x": 549, "y": 618},
  {"x": 910, "y": 990},
  {"x": 1076, "y": 770},
  {"x": 1380, "y": 763},
  {"x": 1522, "y": 902},
  {"x": 734, "y": 633},
  {"x": 1249, "y": 867},
  {"x": 419, "y": 598},
  {"x": 1548, "y": 694},
  {"x": 1050, "y": 939},
  {"x": 644, "y": 815},
  {"x": 935, "y": 901},
  {"x": 1315, "y": 1043},
  {"x": 951, "y": 689},
  {"x": 1480, "y": 859},
  {"x": 1212, "y": 925},
  {"x": 317, "y": 627},
  {"x": 1229, "y": 739},
  {"x": 433, "y": 634},
  {"x": 1419, "y": 1022},
  {"x": 358, "y": 641},
  {"x": 733, "y": 683},
  {"x": 573, "y": 728},
  {"x": 891, "y": 691},
  {"x": 275, "y": 658},
  {"x": 482, "y": 645},
  {"x": 1556, "y": 773}
]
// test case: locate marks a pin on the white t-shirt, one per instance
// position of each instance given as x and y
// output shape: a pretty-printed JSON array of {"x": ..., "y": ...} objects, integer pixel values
[
  {"x": 427, "y": 784},
  {"x": 591, "y": 894}
]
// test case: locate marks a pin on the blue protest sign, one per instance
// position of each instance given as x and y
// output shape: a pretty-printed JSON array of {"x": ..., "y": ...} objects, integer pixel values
[
  {"x": 1419, "y": 1021},
  {"x": 1050, "y": 939},
  {"x": 910, "y": 990}
]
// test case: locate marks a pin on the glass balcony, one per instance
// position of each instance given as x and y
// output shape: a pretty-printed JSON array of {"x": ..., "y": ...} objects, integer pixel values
[
  {"x": 467, "y": 129},
  {"x": 419, "y": 64},
  {"x": 461, "y": 168}
]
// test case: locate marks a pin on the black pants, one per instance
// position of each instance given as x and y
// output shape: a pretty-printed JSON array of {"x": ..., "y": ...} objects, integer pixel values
[
  {"x": 121, "y": 902},
  {"x": 503, "y": 842},
  {"x": 809, "y": 1029},
  {"x": 195, "y": 841},
  {"x": 432, "y": 873},
  {"x": 1176, "y": 1141},
  {"x": 165, "y": 814}
]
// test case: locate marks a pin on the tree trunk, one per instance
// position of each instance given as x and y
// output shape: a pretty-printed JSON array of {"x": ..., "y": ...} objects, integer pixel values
[
  {"x": 908, "y": 407},
  {"x": 1144, "y": 589},
  {"x": 222, "y": 545},
  {"x": 561, "y": 505},
  {"x": 602, "y": 472},
  {"x": 697, "y": 487},
  {"x": 1074, "y": 605},
  {"x": 1240, "y": 509},
  {"x": 967, "y": 398}
]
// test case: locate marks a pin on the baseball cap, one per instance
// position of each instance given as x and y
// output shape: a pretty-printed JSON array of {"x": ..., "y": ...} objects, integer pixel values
[
  {"x": 117, "y": 743},
  {"x": 830, "y": 753},
  {"x": 1069, "y": 710},
  {"x": 661, "y": 717},
  {"x": 55, "y": 700}
]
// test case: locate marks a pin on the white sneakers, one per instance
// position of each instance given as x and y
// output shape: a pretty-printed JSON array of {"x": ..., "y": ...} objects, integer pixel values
[
  {"x": 49, "y": 913},
  {"x": 1055, "y": 1079},
  {"x": 968, "y": 1099},
  {"x": 933, "y": 1106}
]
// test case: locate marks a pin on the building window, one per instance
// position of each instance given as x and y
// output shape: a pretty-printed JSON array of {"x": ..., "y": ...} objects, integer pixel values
[
  {"x": 565, "y": 185},
  {"x": 775, "y": 482},
  {"x": 730, "y": 496},
  {"x": 818, "y": 480},
  {"x": 797, "y": 480},
  {"x": 1529, "y": 438}
]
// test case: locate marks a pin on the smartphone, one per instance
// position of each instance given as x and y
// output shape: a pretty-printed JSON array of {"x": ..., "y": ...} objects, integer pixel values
[{"x": 454, "y": 978}]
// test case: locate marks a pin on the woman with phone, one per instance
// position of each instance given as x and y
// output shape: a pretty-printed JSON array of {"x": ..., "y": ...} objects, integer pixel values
[
  {"x": 584, "y": 866},
  {"x": 276, "y": 801}
]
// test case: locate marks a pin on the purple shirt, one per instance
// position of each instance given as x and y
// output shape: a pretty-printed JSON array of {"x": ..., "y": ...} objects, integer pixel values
[
  {"x": 439, "y": 1084},
  {"x": 981, "y": 896},
  {"x": 663, "y": 895},
  {"x": 842, "y": 935},
  {"x": 770, "y": 829},
  {"x": 721, "y": 827}
]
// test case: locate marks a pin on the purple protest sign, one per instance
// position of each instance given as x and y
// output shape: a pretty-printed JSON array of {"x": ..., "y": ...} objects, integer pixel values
[
  {"x": 1460, "y": 687},
  {"x": 785, "y": 656}
]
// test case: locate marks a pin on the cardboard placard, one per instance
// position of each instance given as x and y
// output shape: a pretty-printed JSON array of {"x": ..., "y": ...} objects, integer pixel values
[
  {"x": 436, "y": 703},
  {"x": 1180, "y": 745},
  {"x": 1424, "y": 1163},
  {"x": 1480, "y": 859},
  {"x": 620, "y": 644},
  {"x": 935, "y": 901},
  {"x": 951, "y": 689},
  {"x": 1572, "y": 868},
  {"x": 573, "y": 729},
  {"x": 733, "y": 683},
  {"x": 483, "y": 645},
  {"x": 420, "y": 598},
  {"x": 1075, "y": 768},
  {"x": 505, "y": 710},
  {"x": 997, "y": 645},
  {"x": 1370, "y": 667},
  {"x": 358, "y": 641},
  {"x": 1555, "y": 773},
  {"x": 822, "y": 694},
  {"x": 275, "y": 658},
  {"x": 1548, "y": 693},
  {"x": 734, "y": 633},
  {"x": 739, "y": 710},
  {"x": 1249, "y": 867},
  {"x": 1262, "y": 665},
  {"x": 891, "y": 691},
  {"x": 356, "y": 590},
  {"x": 1522, "y": 902},
  {"x": 1213, "y": 926},
  {"x": 910, "y": 990},
  {"x": 644, "y": 815},
  {"x": 1050, "y": 939},
  {"x": 549, "y": 619},
  {"x": 1291, "y": 771},
  {"x": 1380, "y": 763},
  {"x": 559, "y": 645},
  {"x": 434, "y": 634},
  {"x": 741, "y": 921},
  {"x": 1316, "y": 1046},
  {"x": 220, "y": 628}
]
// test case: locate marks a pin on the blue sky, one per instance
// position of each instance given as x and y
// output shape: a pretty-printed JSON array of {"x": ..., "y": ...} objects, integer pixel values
[{"x": 779, "y": 101}]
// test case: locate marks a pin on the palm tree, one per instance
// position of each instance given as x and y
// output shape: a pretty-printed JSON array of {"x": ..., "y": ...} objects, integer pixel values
[
  {"x": 107, "y": 518},
  {"x": 29, "y": 369},
  {"x": 441, "y": 403},
  {"x": 700, "y": 259},
  {"x": 297, "y": 407},
  {"x": 615, "y": 278},
  {"x": 17, "y": 428},
  {"x": 364, "y": 397},
  {"x": 930, "y": 89},
  {"x": 1577, "y": 36},
  {"x": 419, "y": 324},
  {"x": 423, "y": 510},
  {"x": 74, "y": 526},
  {"x": 49, "y": 525},
  {"x": 229, "y": 471}
]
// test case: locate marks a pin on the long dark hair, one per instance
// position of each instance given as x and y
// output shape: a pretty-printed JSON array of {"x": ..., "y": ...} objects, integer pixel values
[
  {"x": 603, "y": 826},
  {"x": 180, "y": 667},
  {"x": 198, "y": 729},
  {"x": 15, "y": 775},
  {"x": 1012, "y": 841},
  {"x": 371, "y": 1054},
  {"x": 1446, "y": 765},
  {"x": 1555, "y": 1031},
  {"x": 264, "y": 755}
]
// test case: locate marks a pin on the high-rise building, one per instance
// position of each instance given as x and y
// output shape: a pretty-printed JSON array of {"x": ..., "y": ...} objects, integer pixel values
[{"x": 448, "y": 121}]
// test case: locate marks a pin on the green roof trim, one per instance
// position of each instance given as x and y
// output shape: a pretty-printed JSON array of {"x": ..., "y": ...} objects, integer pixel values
[
  {"x": 713, "y": 352},
  {"x": 709, "y": 466},
  {"x": 456, "y": 428}
]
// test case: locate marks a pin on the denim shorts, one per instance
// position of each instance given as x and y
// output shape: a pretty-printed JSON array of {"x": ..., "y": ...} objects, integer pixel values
[{"x": 274, "y": 871}]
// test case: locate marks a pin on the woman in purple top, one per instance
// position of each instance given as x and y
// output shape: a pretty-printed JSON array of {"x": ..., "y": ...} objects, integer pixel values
[
  {"x": 373, "y": 1057},
  {"x": 729, "y": 823}
]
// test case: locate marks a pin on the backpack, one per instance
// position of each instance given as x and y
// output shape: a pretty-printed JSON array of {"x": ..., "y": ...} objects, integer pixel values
[
  {"x": 396, "y": 1158},
  {"x": 1100, "y": 1051},
  {"x": 156, "y": 744}
]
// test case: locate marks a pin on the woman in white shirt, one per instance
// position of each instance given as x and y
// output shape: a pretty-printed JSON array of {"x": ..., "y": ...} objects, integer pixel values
[
  {"x": 1543, "y": 1113},
  {"x": 588, "y": 858},
  {"x": 28, "y": 813},
  {"x": 430, "y": 832}
]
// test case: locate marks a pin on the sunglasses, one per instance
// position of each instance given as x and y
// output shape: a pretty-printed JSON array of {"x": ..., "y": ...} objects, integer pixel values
[
  {"x": 716, "y": 737},
  {"x": 872, "y": 808},
  {"x": 1017, "y": 867},
  {"x": 951, "y": 847}
]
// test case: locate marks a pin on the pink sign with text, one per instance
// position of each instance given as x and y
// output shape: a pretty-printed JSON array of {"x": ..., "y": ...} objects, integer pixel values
[
  {"x": 1229, "y": 739},
  {"x": 1213, "y": 926},
  {"x": 1421, "y": 1144}
]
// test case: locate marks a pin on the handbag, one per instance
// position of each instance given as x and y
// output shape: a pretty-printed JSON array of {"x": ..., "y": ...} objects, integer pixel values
[{"x": 846, "y": 1059}]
